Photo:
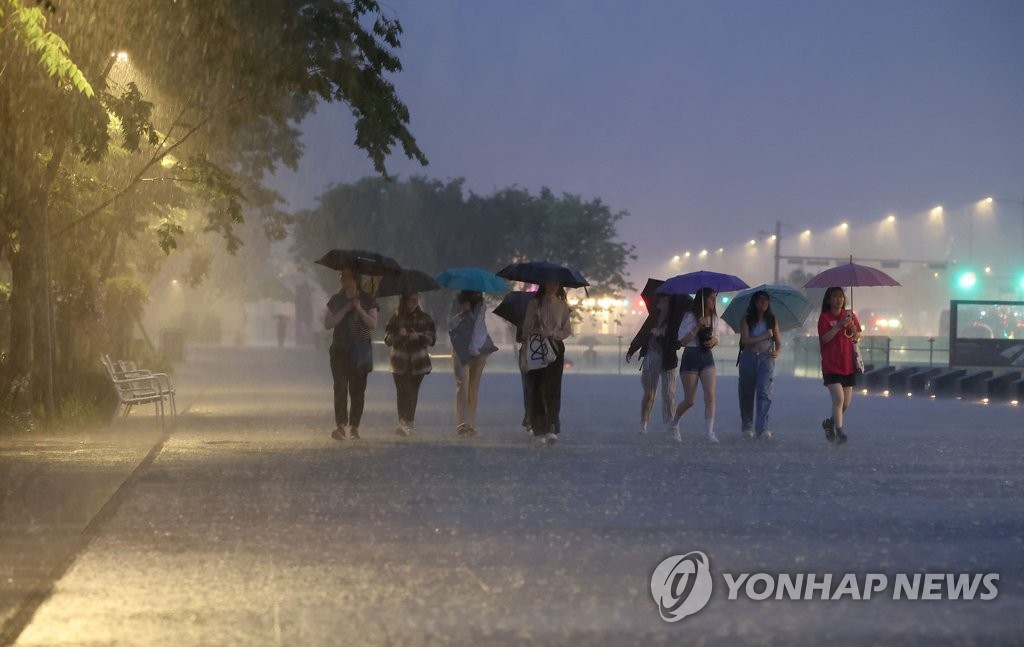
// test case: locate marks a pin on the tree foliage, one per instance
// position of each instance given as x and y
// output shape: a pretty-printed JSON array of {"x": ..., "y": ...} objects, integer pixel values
[
  {"x": 108, "y": 163},
  {"x": 431, "y": 225}
]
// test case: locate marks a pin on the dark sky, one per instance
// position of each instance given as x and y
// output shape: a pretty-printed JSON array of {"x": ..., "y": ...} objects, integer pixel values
[{"x": 706, "y": 121}]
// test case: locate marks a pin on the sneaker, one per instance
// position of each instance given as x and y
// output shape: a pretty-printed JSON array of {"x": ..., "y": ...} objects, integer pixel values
[
  {"x": 410, "y": 426},
  {"x": 643, "y": 429},
  {"x": 676, "y": 436},
  {"x": 550, "y": 438},
  {"x": 830, "y": 429},
  {"x": 748, "y": 434},
  {"x": 402, "y": 429},
  {"x": 462, "y": 429},
  {"x": 712, "y": 438},
  {"x": 841, "y": 438},
  {"x": 339, "y": 433},
  {"x": 353, "y": 433},
  {"x": 765, "y": 435}
]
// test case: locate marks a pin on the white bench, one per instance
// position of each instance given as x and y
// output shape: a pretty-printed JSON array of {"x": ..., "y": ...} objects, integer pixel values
[{"x": 136, "y": 386}]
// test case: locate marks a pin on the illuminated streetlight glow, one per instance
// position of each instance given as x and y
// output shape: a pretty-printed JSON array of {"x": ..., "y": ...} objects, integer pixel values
[
  {"x": 844, "y": 226},
  {"x": 686, "y": 254},
  {"x": 806, "y": 233},
  {"x": 752, "y": 242},
  {"x": 676, "y": 257},
  {"x": 703, "y": 253},
  {"x": 891, "y": 218}
]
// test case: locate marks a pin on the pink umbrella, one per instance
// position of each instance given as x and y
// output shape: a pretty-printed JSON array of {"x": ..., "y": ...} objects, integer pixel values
[{"x": 851, "y": 275}]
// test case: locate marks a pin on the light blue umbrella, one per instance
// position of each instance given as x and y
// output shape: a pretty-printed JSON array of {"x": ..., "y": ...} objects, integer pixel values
[
  {"x": 473, "y": 279},
  {"x": 788, "y": 304}
]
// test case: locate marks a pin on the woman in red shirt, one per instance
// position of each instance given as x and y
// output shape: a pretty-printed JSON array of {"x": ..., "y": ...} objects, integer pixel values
[{"x": 838, "y": 330}]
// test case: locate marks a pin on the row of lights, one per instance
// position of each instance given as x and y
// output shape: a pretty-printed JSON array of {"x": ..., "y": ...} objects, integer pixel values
[{"x": 935, "y": 212}]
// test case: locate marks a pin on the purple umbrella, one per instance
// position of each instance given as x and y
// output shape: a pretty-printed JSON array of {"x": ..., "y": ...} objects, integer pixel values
[
  {"x": 690, "y": 282},
  {"x": 851, "y": 275}
]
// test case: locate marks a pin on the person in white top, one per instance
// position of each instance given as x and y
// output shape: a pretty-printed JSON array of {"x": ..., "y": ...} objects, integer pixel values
[
  {"x": 697, "y": 336},
  {"x": 549, "y": 315}
]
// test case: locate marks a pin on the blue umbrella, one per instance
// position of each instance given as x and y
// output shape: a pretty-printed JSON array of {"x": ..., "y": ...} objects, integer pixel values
[
  {"x": 473, "y": 279},
  {"x": 690, "y": 282},
  {"x": 788, "y": 304}
]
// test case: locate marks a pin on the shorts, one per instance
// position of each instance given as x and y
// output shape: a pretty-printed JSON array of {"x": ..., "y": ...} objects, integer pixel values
[
  {"x": 695, "y": 360},
  {"x": 835, "y": 378}
]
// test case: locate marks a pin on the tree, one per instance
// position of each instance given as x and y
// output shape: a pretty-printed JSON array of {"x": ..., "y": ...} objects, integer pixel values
[
  {"x": 430, "y": 225},
  {"x": 206, "y": 103}
]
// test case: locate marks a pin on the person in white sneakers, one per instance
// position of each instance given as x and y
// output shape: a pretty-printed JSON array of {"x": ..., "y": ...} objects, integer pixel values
[
  {"x": 548, "y": 314},
  {"x": 409, "y": 333},
  {"x": 657, "y": 344},
  {"x": 698, "y": 339}
]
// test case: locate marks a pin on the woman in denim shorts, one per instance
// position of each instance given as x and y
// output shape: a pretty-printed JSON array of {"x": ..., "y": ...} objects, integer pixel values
[{"x": 696, "y": 335}]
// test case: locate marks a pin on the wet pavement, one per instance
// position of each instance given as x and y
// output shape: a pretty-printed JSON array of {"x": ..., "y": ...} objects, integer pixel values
[{"x": 246, "y": 524}]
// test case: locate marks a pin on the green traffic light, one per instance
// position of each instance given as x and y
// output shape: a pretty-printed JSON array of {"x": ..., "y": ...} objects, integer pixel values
[{"x": 968, "y": 280}]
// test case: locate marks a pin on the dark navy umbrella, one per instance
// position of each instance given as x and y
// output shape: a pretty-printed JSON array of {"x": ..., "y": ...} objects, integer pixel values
[
  {"x": 361, "y": 261},
  {"x": 541, "y": 272},
  {"x": 406, "y": 282}
]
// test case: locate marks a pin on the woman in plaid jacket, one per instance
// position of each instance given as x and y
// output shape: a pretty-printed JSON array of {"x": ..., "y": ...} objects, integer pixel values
[{"x": 408, "y": 334}]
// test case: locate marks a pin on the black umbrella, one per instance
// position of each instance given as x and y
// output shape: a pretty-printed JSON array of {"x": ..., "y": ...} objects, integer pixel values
[
  {"x": 361, "y": 261},
  {"x": 649, "y": 290},
  {"x": 513, "y": 307},
  {"x": 406, "y": 282},
  {"x": 541, "y": 272},
  {"x": 680, "y": 302}
]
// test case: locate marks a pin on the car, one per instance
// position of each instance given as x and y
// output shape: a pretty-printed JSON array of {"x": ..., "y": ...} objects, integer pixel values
[{"x": 887, "y": 321}]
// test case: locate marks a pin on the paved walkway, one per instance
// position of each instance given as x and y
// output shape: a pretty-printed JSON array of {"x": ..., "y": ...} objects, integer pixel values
[{"x": 248, "y": 525}]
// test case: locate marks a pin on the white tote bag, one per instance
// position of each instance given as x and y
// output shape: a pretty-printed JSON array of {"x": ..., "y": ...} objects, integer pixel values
[{"x": 539, "y": 352}]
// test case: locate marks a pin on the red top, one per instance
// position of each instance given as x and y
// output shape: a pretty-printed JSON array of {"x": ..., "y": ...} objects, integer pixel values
[{"x": 837, "y": 353}]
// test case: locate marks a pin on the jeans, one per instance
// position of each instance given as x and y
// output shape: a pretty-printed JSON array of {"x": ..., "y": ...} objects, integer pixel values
[
  {"x": 757, "y": 374},
  {"x": 349, "y": 384},
  {"x": 407, "y": 390},
  {"x": 546, "y": 395}
]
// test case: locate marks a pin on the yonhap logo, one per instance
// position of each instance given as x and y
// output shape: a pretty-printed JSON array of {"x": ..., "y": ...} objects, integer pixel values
[{"x": 681, "y": 585}]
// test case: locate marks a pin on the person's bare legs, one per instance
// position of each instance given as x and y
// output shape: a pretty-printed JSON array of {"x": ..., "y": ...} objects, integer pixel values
[
  {"x": 708, "y": 378},
  {"x": 689, "y": 397}
]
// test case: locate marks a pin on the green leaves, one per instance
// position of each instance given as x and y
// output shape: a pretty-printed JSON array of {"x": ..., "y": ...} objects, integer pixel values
[{"x": 29, "y": 28}]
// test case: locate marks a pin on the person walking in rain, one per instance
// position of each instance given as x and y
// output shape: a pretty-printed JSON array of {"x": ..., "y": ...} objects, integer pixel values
[
  {"x": 657, "y": 343},
  {"x": 760, "y": 344},
  {"x": 548, "y": 314},
  {"x": 838, "y": 330},
  {"x": 471, "y": 344},
  {"x": 352, "y": 313},
  {"x": 697, "y": 337},
  {"x": 408, "y": 334}
]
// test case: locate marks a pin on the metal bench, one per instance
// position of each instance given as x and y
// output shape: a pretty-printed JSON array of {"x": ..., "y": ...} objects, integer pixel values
[
  {"x": 128, "y": 369},
  {"x": 139, "y": 387}
]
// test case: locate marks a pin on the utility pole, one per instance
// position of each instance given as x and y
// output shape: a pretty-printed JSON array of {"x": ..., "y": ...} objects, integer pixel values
[{"x": 778, "y": 252}]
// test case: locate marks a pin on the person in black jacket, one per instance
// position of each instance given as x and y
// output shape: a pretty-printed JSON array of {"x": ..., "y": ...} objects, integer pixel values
[{"x": 657, "y": 344}]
